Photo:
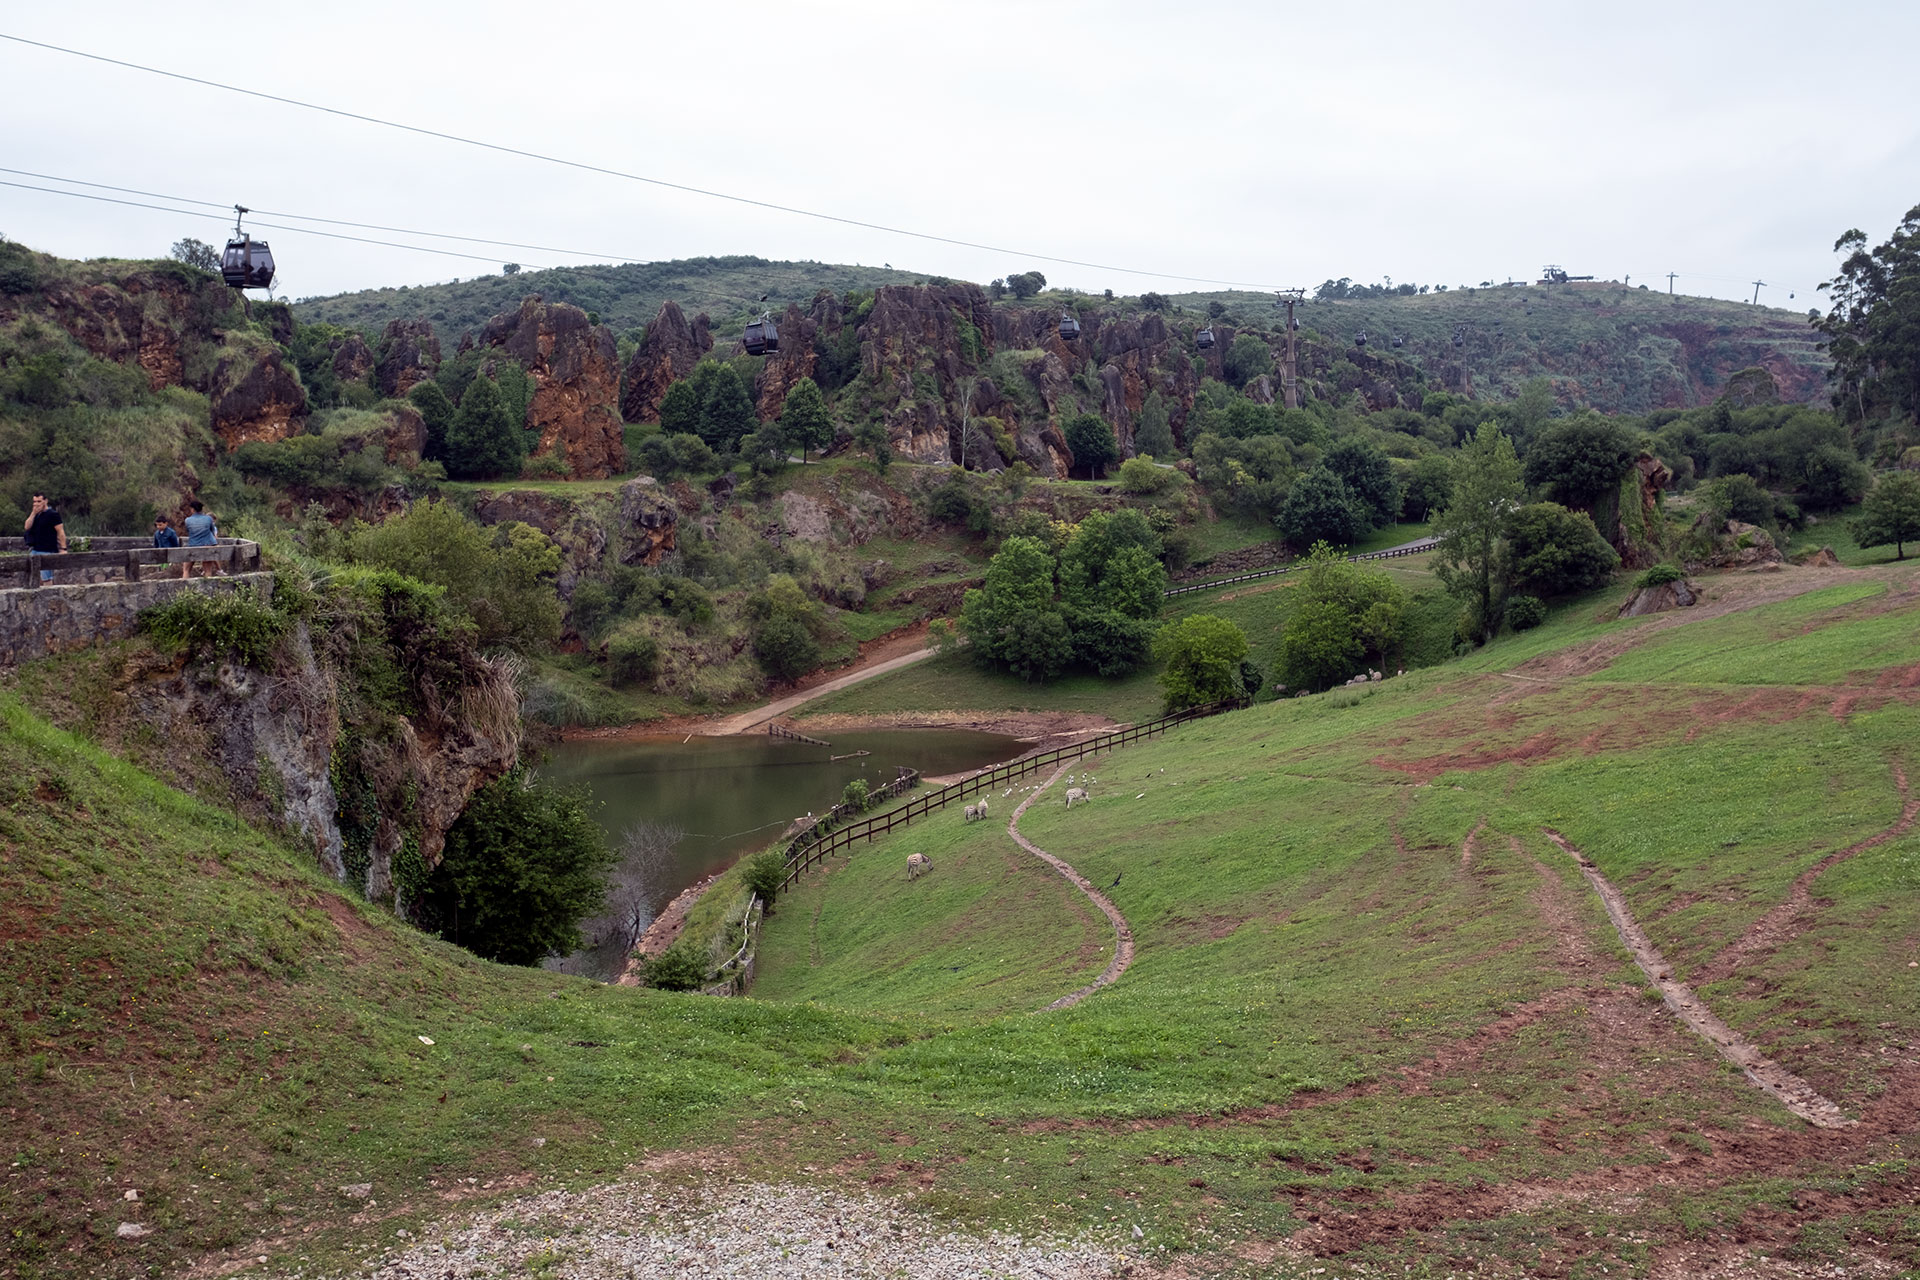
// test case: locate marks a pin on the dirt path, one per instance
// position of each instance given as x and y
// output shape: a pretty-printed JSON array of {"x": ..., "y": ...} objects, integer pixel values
[
  {"x": 1122, "y": 931},
  {"x": 1795, "y": 1094},
  {"x": 1784, "y": 922},
  {"x": 749, "y": 720}
]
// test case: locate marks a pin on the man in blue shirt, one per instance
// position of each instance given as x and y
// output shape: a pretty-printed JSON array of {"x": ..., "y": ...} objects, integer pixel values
[
  {"x": 201, "y": 532},
  {"x": 164, "y": 537}
]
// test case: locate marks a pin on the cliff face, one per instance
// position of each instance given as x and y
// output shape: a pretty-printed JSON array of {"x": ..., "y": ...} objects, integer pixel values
[
  {"x": 576, "y": 384},
  {"x": 256, "y": 395},
  {"x": 408, "y": 354},
  {"x": 667, "y": 353}
]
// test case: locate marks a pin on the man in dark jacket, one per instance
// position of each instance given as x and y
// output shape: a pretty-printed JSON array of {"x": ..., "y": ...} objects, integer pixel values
[
  {"x": 46, "y": 532},
  {"x": 164, "y": 537}
]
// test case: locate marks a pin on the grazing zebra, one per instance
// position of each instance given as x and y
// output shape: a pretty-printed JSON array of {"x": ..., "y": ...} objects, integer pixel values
[{"x": 918, "y": 863}]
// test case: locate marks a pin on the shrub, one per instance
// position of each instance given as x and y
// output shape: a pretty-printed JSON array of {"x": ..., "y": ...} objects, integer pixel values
[
  {"x": 632, "y": 659},
  {"x": 785, "y": 647},
  {"x": 1321, "y": 508},
  {"x": 1524, "y": 613},
  {"x": 764, "y": 873},
  {"x": 1659, "y": 575},
  {"x": 1092, "y": 443},
  {"x": 1203, "y": 656},
  {"x": 681, "y": 967},
  {"x": 235, "y": 622},
  {"x": 1557, "y": 552},
  {"x": 855, "y": 797},
  {"x": 501, "y": 578},
  {"x": 1140, "y": 475}
]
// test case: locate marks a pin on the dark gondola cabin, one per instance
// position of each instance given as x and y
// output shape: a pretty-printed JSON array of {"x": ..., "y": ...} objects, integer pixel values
[
  {"x": 1069, "y": 326},
  {"x": 1399, "y": 341},
  {"x": 247, "y": 264},
  {"x": 1203, "y": 339},
  {"x": 762, "y": 337},
  {"x": 1360, "y": 338}
]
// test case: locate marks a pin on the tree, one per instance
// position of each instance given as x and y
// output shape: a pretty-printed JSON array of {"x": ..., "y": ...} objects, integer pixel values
[
  {"x": 1471, "y": 560},
  {"x": 1246, "y": 359},
  {"x": 1578, "y": 461},
  {"x": 1529, "y": 411},
  {"x": 785, "y": 648},
  {"x": 871, "y": 435},
  {"x": 1369, "y": 477},
  {"x": 726, "y": 411},
  {"x": 1831, "y": 478},
  {"x": 1153, "y": 301},
  {"x": 1320, "y": 508},
  {"x": 1092, "y": 443},
  {"x": 483, "y": 440},
  {"x": 1428, "y": 485},
  {"x": 510, "y": 268},
  {"x": 1873, "y": 329},
  {"x": 1891, "y": 513},
  {"x": 1216, "y": 309},
  {"x": 1201, "y": 655},
  {"x": 680, "y": 409},
  {"x": 1345, "y": 615},
  {"x": 1112, "y": 585},
  {"x": 195, "y": 253},
  {"x": 804, "y": 421},
  {"x": 1026, "y": 284},
  {"x": 437, "y": 412},
  {"x": 1557, "y": 552},
  {"x": 523, "y": 866},
  {"x": 1003, "y": 617},
  {"x": 501, "y": 578},
  {"x": 1153, "y": 433}
]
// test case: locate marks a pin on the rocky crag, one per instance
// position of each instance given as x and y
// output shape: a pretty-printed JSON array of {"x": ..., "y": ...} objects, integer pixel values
[{"x": 576, "y": 377}]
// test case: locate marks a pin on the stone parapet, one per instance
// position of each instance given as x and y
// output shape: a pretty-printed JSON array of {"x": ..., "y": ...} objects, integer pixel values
[{"x": 61, "y": 618}]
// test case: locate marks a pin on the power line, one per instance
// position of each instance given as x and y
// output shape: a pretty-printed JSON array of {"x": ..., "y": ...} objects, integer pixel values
[
  {"x": 271, "y": 226},
  {"x": 622, "y": 174}
]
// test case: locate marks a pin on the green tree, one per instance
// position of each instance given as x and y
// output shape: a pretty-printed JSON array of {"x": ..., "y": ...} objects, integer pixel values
[
  {"x": 1201, "y": 655},
  {"x": 1891, "y": 513},
  {"x": 195, "y": 253},
  {"x": 1092, "y": 443},
  {"x": 1831, "y": 477},
  {"x": 1026, "y": 284},
  {"x": 1428, "y": 486},
  {"x": 1368, "y": 476},
  {"x": 1556, "y": 552},
  {"x": 804, "y": 421},
  {"x": 785, "y": 647},
  {"x": 483, "y": 440},
  {"x": 1153, "y": 433},
  {"x": 1578, "y": 461},
  {"x": 438, "y": 413},
  {"x": 680, "y": 409},
  {"x": 871, "y": 435},
  {"x": 523, "y": 866},
  {"x": 1320, "y": 508},
  {"x": 1345, "y": 615},
  {"x": 1472, "y": 557},
  {"x": 1872, "y": 331},
  {"x": 726, "y": 410},
  {"x": 1112, "y": 561},
  {"x": 1010, "y": 619},
  {"x": 501, "y": 578},
  {"x": 1529, "y": 411},
  {"x": 1246, "y": 359}
]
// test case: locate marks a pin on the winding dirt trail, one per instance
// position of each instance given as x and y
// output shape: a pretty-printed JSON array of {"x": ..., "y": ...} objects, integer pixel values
[
  {"x": 1122, "y": 931},
  {"x": 1793, "y": 1093},
  {"x": 1785, "y": 922}
]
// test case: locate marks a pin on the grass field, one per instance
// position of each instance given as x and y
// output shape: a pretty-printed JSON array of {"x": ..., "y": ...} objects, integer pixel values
[{"x": 1376, "y": 1022}]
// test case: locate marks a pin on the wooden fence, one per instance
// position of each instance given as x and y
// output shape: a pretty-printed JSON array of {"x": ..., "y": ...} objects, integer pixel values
[
  {"x": 1411, "y": 549},
  {"x": 814, "y": 844},
  {"x": 777, "y": 730},
  {"x": 125, "y": 556}
]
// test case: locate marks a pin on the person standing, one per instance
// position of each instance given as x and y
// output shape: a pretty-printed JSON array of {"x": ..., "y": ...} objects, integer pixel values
[
  {"x": 46, "y": 532},
  {"x": 164, "y": 537},
  {"x": 202, "y": 532}
]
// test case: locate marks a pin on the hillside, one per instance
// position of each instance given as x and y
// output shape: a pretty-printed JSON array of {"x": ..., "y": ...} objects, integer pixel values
[
  {"x": 1614, "y": 348},
  {"x": 1376, "y": 1015}
]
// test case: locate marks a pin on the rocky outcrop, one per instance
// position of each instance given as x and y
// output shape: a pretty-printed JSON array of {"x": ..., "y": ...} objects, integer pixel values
[
  {"x": 352, "y": 358},
  {"x": 915, "y": 353},
  {"x": 152, "y": 318},
  {"x": 1658, "y": 599},
  {"x": 1637, "y": 537},
  {"x": 407, "y": 355},
  {"x": 798, "y": 355},
  {"x": 256, "y": 396},
  {"x": 576, "y": 378},
  {"x": 1744, "y": 546},
  {"x": 649, "y": 522},
  {"x": 667, "y": 352}
]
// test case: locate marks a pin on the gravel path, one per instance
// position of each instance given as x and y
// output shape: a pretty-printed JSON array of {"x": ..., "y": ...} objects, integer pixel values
[
  {"x": 645, "y": 1229},
  {"x": 747, "y": 721},
  {"x": 1122, "y": 931},
  {"x": 1793, "y": 1093}
]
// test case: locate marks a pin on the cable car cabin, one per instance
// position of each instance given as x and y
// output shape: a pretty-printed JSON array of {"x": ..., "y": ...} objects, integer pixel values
[
  {"x": 1399, "y": 341},
  {"x": 1360, "y": 338},
  {"x": 1203, "y": 339},
  {"x": 1069, "y": 327},
  {"x": 247, "y": 264},
  {"x": 762, "y": 337}
]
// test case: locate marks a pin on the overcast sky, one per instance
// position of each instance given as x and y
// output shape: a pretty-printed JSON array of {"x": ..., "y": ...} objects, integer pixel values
[{"x": 1269, "y": 144}]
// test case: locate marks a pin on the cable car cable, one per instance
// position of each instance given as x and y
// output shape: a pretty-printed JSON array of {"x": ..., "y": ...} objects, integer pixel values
[{"x": 619, "y": 173}]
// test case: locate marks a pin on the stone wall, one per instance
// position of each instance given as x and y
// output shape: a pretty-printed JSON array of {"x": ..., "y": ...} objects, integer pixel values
[{"x": 60, "y": 618}]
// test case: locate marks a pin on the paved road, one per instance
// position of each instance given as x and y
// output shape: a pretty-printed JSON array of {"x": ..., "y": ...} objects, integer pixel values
[{"x": 747, "y": 721}]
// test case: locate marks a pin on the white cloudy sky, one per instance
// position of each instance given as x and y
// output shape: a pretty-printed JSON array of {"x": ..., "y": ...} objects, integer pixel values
[{"x": 1272, "y": 144}]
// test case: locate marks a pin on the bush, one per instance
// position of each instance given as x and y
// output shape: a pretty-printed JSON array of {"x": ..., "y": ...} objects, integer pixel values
[
  {"x": 1660, "y": 575},
  {"x": 1204, "y": 655},
  {"x": 1140, "y": 475},
  {"x": 233, "y": 622},
  {"x": 1321, "y": 508},
  {"x": 1557, "y": 552},
  {"x": 1524, "y": 613},
  {"x": 501, "y": 578},
  {"x": 855, "y": 796},
  {"x": 785, "y": 647},
  {"x": 764, "y": 873},
  {"x": 632, "y": 659},
  {"x": 681, "y": 967},
  {"x": 1347, "y": 615}
]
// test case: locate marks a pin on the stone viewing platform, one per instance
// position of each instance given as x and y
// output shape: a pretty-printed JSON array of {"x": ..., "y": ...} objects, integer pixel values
[{"x": 97, "y": 594}]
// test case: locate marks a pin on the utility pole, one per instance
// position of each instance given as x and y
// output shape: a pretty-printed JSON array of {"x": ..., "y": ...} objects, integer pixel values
[
  {"x": 1757, "y": 286},
  {"x": 1670, "y": 276},
  {"x": 1289, "y": 371}
]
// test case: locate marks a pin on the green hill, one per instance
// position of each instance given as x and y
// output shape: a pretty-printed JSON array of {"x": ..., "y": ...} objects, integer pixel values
[{"x": 1376, "y": 1015}]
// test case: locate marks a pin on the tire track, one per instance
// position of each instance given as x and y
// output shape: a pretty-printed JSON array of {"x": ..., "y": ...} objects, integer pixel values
[
  {"x": 1783, "y": 923},
  {"x": 1793, "y": 1093},
  {"x": 1122, "y": 931}
]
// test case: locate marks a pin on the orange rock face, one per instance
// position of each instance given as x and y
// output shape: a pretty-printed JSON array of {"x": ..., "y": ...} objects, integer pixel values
[
  {"x": 668, "y": 352},
  {"x": 257, "y": 397},
  {"x": 576, "y": 379}
]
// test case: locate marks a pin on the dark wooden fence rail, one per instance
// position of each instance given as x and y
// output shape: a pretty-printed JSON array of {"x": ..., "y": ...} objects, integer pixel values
[
  {"x": 126, "y": 555},
  {"x": 1411, "y": 549},
  {"x": 810, "y": 846},
  {"x": 777, "y": 730}
]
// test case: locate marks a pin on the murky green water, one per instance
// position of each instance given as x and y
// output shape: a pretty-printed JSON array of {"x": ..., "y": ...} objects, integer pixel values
[{"x": 732, "y": 795}]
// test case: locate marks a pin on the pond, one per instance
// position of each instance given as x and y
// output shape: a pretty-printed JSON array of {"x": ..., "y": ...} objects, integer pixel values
[{"x": 729, "y": 796}]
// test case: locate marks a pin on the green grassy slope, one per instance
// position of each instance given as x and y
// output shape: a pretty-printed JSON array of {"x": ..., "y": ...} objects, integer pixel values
[{"x": 1374, "y": 1013}]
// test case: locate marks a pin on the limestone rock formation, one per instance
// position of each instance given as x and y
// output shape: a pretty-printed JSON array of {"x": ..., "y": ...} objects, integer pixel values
[
  {"x": 667, "y": 353},
  {"x": 1639, "y": 550},
  {"x": 144, "y": 317},
  {"x": 576, "y": 380},
  {"x": 798, "y": 355},
  {"x": 407, "y": 355},
  {"x": 352, "y": 358},
  {"x": 1658, "y": 599},
  {"x": 1744, "y": 546},
  {"x": 649, "y": 522},
  {"x": 256, "y": 396}
]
